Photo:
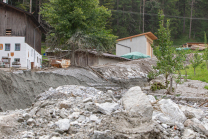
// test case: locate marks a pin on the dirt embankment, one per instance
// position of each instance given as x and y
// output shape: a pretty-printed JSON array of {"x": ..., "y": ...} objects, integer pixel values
[{"x": 18, "y": 90}]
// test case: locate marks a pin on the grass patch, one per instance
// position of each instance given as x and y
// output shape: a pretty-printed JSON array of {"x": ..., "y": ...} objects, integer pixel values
[
  {"x": 201, "y": 74},
  {"x": 206, "y": 87},
  {"x": 45, "y": 57}
]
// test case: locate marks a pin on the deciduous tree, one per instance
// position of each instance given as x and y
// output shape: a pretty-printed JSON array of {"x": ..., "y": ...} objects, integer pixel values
[{"x": 78, "y": 24}]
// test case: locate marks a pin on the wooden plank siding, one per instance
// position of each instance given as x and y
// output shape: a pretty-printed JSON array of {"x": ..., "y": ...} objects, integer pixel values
[
  {"x": 21, "y": 25},
  {"x": 83, "y": 59}
]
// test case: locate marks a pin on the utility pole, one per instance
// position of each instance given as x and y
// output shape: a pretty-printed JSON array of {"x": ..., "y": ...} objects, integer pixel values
[{"x": 192, "y": 3}]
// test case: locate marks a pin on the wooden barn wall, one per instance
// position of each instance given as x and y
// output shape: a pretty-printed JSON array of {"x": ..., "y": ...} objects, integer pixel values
[
  {"x": 12, "y": 19},
  {"x": 83, "y": 60},
  {"x": 21, "y": 25},
  {"x": 29, "y": 38}
]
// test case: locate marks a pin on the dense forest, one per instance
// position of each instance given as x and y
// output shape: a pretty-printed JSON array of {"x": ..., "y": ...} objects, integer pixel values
[{"x": 189, "y": 18}]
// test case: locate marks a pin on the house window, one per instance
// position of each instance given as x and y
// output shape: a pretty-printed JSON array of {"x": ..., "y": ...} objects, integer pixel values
[
  {"x": 8, "y": 32},
  {"x": 17, "y": 60},
  {"x": 17, "y": 47},
  {"x": 7, "y": 47},
  {"x": 31, "y": 52},
  {"x": 37, "y": 59}
]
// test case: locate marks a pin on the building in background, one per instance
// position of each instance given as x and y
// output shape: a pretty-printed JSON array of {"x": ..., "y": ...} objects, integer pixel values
[
  {"x": 20, "y": 38},
  {"x": 137, "y": 43},
  {"x": 93, "y": 58}
]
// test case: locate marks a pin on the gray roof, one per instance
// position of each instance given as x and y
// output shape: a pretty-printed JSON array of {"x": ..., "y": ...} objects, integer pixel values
[{"x": 104, "y": 54}]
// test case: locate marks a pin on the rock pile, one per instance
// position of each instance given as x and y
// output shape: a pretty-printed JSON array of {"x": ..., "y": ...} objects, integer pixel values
[{"x": 77, "y": 112}]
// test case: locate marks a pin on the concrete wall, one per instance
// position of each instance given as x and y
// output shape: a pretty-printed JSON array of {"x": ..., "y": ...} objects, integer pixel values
[
  {"x": 105, "y": 60},
  {"x": 26, "y": 53},
  {"x": 138, "y": 44}
]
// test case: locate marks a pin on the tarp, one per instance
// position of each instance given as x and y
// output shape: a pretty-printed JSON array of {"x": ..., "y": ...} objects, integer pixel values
[
  {"x": 135, "y": 55},
  {"x": 182, "y": 48}
]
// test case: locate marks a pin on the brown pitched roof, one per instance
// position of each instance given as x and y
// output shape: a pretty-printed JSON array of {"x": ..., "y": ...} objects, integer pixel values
[
  {"x": 149, "y": 34},
  {"x": 27, "y": 13}
]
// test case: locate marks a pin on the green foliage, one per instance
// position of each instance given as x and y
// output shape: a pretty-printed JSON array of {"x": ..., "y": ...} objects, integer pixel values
[
  {"x": 67, "y": 16},
  {"x": 196, "y": 61},
  {"x": 24, "y": 6},
  {"x": 78, "y": 24},
  {"x": 202, "y": 74},
  {"x": 168, "y": 61},
  {"x": 127, "y": 17},
  {"x": 206, "y": 87},
  {"x": 152, "y": 74},
  {"x": 156, "y": 97},
  {"x": 178, "y": 95},
  {"x": 157, "y": 86}
]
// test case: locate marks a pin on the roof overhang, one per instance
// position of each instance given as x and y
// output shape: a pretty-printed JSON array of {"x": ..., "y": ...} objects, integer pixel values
[{"x": 149, "y": 34}]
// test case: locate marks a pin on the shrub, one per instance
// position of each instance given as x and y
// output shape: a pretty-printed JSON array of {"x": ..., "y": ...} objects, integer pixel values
[{"x": 157, "y": 86}]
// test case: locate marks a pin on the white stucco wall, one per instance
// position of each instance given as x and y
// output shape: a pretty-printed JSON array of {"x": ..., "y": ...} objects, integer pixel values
[
  {"x": 138, "y": 44},
  {"x": 25, "y": 60}
]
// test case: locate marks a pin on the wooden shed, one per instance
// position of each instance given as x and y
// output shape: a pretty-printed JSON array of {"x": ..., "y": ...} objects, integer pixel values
[
  {"x": 92, "y": 58},
  {"x": 137, "y": 43}
]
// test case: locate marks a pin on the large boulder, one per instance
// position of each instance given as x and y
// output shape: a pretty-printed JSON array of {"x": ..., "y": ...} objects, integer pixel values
[
  {"x": 137, "y": 104},
  {"x": 171, "y": 109}
]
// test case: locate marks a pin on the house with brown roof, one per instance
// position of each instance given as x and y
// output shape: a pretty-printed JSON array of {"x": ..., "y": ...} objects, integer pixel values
[{"x": 137, "y": 43}]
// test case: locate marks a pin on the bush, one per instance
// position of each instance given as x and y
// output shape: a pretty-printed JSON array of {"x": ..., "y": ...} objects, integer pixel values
[{"x": 157, "y": 86}]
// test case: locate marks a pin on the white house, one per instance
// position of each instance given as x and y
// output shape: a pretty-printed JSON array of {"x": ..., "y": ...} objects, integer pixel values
[
  {"x": 20, "y": 38},
  {"x": 137, "y": 43}
]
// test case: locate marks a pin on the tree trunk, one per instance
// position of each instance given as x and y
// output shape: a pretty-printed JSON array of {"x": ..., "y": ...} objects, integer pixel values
[
  {"x": 39, "y": 11},
  {"x": 140, "y": 13},
  {"x": 166, "y": 79},
  {"x": 184, "y": 20},
  {"x": 191, "y": 18},
  {"x": 73, "y": 56},
  {"x": 143, "y": 14},
  {"x": 194, "y": 71},
  {"x": 117, "y": 19},
  {"x": 171, "y": 84},
  {"x": 30, "y": 6},
  {"x": 207, "y": 64},
  {"x": 36, "y": 9}
]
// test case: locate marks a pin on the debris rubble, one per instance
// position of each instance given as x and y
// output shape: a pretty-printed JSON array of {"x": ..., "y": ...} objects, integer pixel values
[{"x": 78, "y": 112}]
